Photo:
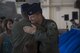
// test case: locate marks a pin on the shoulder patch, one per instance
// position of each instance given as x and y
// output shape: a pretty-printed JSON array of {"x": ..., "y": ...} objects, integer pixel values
[{"x": 53, "y": 24}]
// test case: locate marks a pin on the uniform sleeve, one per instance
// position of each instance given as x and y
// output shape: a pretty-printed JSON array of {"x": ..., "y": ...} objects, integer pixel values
[
  {"x": 48, "y": 37},
  {"x": 17, "y": 34}
]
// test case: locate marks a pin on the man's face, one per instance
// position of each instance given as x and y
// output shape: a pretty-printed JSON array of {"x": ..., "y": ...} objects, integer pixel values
[{"x": 35, "y": 18}]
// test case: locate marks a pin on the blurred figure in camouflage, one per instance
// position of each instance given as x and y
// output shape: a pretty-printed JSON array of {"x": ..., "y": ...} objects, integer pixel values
[
  {"x": 45, "y": 31},
  {"x": 23, "y": 42}
]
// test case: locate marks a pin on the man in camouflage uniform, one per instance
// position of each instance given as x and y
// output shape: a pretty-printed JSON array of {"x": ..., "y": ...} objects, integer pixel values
[{"x": 45, "y": 31}]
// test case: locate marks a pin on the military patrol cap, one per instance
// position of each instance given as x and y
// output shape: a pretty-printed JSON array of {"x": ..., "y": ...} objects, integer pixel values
[
  {"x": 25, "y": 7},
  {"x": 33, "y": 8}
]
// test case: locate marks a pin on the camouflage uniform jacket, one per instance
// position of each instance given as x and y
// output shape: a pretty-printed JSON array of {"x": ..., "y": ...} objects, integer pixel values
[
  {"x": 47, "y": 37},
  {"x": 20, "y": 39}
]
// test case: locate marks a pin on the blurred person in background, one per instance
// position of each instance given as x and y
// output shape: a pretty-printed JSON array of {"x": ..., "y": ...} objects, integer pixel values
[
  {"x": 1, "y": 21},
  {"x": 5, "y": 37},
  {"x": 75, "y": 24}
]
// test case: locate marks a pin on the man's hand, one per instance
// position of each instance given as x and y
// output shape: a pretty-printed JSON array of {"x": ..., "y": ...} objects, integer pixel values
[{"x": 30, "y": 29}]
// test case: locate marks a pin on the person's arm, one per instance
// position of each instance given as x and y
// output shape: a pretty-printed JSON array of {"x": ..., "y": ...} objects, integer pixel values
[
  {"x": 48, "y": 37},
  {"x": 17, "y": 33}
]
